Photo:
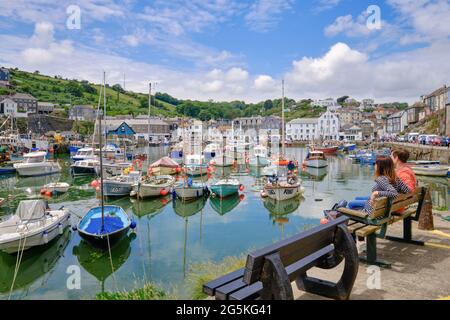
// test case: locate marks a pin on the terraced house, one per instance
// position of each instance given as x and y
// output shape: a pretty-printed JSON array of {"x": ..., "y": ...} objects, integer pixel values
[{"x": 25, "y": 102}]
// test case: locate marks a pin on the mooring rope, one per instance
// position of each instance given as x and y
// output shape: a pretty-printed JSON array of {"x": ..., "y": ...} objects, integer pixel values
[
  {"x": 18, "y": 262},
  {"x": 111, "y": 261}
]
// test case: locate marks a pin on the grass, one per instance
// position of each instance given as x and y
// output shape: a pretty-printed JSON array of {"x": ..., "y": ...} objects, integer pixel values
[
  {"x": 148, "y": 292},
  {"x": 442, "y": 208}
]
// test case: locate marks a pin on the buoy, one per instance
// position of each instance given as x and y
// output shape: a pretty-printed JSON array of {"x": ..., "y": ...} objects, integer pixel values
[
  {"x": 241, "y": 197},
  {"x": 48, "y": 193},
  {"x": 74, "y": 228},
  {"x": 178, "y": 170},
  {"x": 241, "y": 187},
  {"x": 163, "y": 192},
  {"x": 323, "y": 221},
  {"x": 94, "y": 184},
  {"x": 45, "y": 236},
  {"x": 43, "y": 191},
  {"x": 164, "y": 201},
  {"x": 60, "y": 228},
  {"x": 133, "y": 224}
]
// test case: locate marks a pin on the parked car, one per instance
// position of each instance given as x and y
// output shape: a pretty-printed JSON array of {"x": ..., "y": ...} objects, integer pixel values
[
  {"x": 435, "y": 141},
  {"x": 422, "y": 139},
  {"x": 445, "y": 141}
]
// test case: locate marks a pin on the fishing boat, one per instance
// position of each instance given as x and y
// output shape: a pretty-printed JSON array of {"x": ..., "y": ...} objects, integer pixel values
[
  {"x": 33, "y": 224},
  {"x": 176, "y": 153},
  {"x": 225, "y": 187},
  {"x": 164, "y": 166},
  {"x": 195, "y": 165},
  {"x": 84, "y": 154},
  {"x": 36, "y": 164},
  {"x": 7, "y": 170},
  {"x": 327, "y": 150},
  {"x": 315, "y": 159},
  {"x": 153, "y": 186},
  {"x": 85, "y": 167},
  {"x": 259, "y": 158},
  {"x": 188, "y": 189},
  {"x": 57, "y": 187},
  {"x": 105, "y": 224},
  {"x": 348, "y": 147},
  {"x": 113, "y": 151},
  {"x": 119, "y": 186},
  {"x": 431, "y": 171},
  {"x": 283, "y": 189}
]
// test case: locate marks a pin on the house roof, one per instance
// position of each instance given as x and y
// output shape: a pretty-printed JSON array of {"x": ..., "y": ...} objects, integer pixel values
[
  {"x": 18, "y": 96},
  {"x": 304, "y": 121},
  {"x": 438, "y": 92}
]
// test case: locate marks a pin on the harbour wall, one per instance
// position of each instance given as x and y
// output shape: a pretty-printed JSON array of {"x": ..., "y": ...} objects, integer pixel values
[{"x": 422, "y": 152}]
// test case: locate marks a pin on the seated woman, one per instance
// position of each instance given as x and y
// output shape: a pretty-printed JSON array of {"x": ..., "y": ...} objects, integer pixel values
[{"x": 387, "y": 184}]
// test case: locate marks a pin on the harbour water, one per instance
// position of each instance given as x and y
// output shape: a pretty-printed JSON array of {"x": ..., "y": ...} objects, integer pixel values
[{"x": 172, "y": 236}]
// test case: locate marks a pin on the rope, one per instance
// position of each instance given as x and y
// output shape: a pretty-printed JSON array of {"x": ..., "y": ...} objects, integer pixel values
[
  {"x": 18, "y": 261},
  {"x": 111, "y": 261}
]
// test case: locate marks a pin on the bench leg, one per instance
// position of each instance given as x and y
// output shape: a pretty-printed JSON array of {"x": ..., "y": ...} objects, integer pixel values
[
  {"x": 275, "y": 280},
  {"x": 407, "y": 234},
  {"x": 371, "y": 256}
]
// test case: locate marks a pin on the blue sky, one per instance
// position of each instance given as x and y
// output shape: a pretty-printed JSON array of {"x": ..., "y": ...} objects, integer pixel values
[{"x": 226, "y": 50}]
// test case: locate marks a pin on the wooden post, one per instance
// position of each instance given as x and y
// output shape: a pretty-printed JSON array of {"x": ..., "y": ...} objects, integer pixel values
[{"x": 426, "y": 216}]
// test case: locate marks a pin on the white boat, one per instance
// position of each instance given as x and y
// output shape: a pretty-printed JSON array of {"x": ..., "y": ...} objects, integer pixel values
[
  {"x": 195, "y": 165},
  {"x": 316, "y": 159},
  {"x": 260, "y": 157},
  {"x": 85, "y": 167},
  {"x": 35, "y": 164},
  {"x": 189, "y": 190},
  {"x": 211, "y": 151},
  {"x": 432, "y": 171},
  {"x": 57, "y": 187},
  {"x": 84, "y": 154},
  {"x": 115, "y": 168},
  {"x": 33, "y": 224},
  {"x": 112, "y": 151},
  {"x": 280, "y": 189},
  {"x": 153, "y": 187},
  {"x": 120, "y": 186}
]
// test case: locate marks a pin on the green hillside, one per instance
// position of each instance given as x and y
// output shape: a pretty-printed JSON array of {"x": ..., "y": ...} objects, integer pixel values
[{"x": 66, "y": 92}]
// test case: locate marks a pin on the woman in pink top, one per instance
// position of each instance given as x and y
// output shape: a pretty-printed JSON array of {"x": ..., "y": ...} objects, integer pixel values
[{"x": 404, "y": 172}]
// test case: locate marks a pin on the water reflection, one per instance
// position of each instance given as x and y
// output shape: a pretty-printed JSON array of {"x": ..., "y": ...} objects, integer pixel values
[
  {"x": 99, "y": 263},
  {"x": 224, "y": 205},
  {"x": 36, "y": 263}
]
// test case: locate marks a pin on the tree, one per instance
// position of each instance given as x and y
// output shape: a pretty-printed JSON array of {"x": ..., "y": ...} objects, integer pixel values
[
  {"x": 204, "y": 115},
  {"x": 268, "y": 104},
  {"x": 117, "y": 87},
  {"x": 74, "y": 89}
]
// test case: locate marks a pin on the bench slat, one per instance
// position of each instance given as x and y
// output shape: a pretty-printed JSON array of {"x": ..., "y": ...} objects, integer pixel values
[
  {"x": 292, "y": 249},
  {"x": 222, "y": 293},
  {"x": 210, "y": 287},
  {"x": 250, "y": 292}
]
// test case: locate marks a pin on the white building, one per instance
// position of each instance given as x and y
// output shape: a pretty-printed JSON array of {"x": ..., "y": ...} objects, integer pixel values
[
  {"x": 8, "y": 107},
  {"x": 328, "y": 103},
  {"x": 329, "y": 125},
  {"x": 351, "y": 133},
  {"x": 302, "y": 129}
]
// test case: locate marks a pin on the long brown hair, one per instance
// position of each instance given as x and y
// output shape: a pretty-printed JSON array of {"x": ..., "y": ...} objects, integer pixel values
[{"x": 385, "y": 167}]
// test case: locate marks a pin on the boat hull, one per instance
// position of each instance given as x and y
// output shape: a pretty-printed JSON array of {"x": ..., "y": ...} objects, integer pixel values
[
  {"x": 83, "y": 171},
  {"x": 430, "y": 172},
  {"x": 224, "y": 190},
  {"x": 259, "y": 161},
  {"x": 283, "y": 193},
  {"x": 161, "y": 171},
  {"x": 46, "y": 168},
  {"x": 37, "y": 238},
  {"x": 7, "y": 170},
  {"x": 116, "y": 188},
  {"x": 196, "y": 171},
  {"x": 143, "y": 190},
  {"x": 331, "y": 150},
  {"x": 316, "y": 163},
  {"x": 189, "y": 192}
]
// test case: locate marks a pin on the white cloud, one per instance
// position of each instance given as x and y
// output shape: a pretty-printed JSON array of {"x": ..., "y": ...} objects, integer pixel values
[
  {"x": 350, "y": 27},
  {"x": 264, "y": 83},
  {"x": 327, "y": 4},
  {"x": 266, "y": 14},
  {"x": 237, "y": 75}
]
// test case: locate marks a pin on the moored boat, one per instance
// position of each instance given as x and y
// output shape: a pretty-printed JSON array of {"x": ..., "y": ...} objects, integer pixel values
[
  {"x": 283, "y": 189},
  {"x": 225, "y": 187},
  {"x": 84, "y": 154},
  {"x": 260, "y": 157},
  {"x": 85, "y": 167},
  {"x": 195, "y": 165},
  {"x": 120, "y": 186},
  {"x": 316, "y": 159},
  {"x": 189, "y": 189},
  {"x": 327, "y": 150},
  {"x": 153, "y": 186},
  {"x": 57, "y": 187},
  {"x": 36, "y": 164},
  {"x": 33, "y": 224},
  {"x": 432, "y": 171},
  {"x": 164, "y": 166}
]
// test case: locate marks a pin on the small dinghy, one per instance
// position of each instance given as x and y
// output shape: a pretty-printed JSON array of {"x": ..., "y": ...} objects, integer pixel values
[
  {"x": 431, "y": 171},
  {"x": 33, "y": 224},
  {"x": 98, "y": 225},
  {"x": 316, "y": 159},
  {"x": 189, "y": 189},
  {"x": 57, "y": 187},
  {"x": 153, "y": 186},
  {"x": 226, "y": 187},
  {"x": 281, "y": 189}
]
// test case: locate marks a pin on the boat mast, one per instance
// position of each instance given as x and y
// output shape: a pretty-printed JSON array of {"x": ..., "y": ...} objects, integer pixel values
[
  {"x": 282, "y": 119},
  {"x": 100, "y": 145},
  {"x": 148, "y": 129}
]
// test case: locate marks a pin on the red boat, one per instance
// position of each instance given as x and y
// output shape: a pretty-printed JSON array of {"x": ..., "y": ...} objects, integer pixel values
[{"x": 327, "y": 150}]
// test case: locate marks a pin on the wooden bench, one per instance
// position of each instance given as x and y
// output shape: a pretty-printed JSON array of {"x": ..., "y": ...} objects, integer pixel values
[
  {"x": 268, "y": 272},
  {"x": 384, "y": 214}
]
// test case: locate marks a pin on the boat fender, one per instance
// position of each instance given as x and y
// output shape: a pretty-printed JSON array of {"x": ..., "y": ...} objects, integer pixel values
[
  {"x": 133, "y": 225},
  {"x": 74, "y": 228},
  {"x": 60, "y": 228},
  {"x": 45, "y": 237},
  {"x": 174, "y": 194},
  {"x": 241, "y": 187}
]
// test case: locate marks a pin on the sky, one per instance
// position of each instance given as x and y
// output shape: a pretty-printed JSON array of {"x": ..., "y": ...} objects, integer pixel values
[{"x": 392, "y": 50}]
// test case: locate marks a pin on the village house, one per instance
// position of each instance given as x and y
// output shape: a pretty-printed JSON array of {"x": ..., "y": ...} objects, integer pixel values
[
  {"x": 327, "y": 103},
  {"x": 349, "y": 115},
  {"x": 329, "y": 125},
  {"x": 26, "y": 103},
  {"x": 396, "y": 123},
  {"x": 45, "y": 107},
  {"x": 436, "y": 100},
  {"x": 368, "y": 130},
  {"x": 350, "y": 132},
  {"x": 139, "y": 129},
  {"x": 83, "y": 113},
  {"x": 415, "y": 113},
  {"x": 303, "y": 129},
  {"x": 257, "y": 123},
  {"x": 8, "y": 107},
  {"x": 367, "y": 104}
]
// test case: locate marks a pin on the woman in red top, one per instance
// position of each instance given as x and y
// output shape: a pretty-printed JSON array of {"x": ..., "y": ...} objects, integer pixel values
[{"x": 403, "y": 171}]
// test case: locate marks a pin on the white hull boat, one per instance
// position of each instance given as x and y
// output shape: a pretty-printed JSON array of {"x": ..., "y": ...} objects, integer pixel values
[
  {"x": 193, "y": 191},
  {"x": 35, "y": 164},
  {"x": 58, "y": 187},
  {"x": 316, "y": 163},
  {"x": 34, "y": 224},
  {"x": 288, "y": 188},
  {"x": 259, "y": 161},
  {"x": 431, "y": 171},
  {"x": 153, "y": 187}
]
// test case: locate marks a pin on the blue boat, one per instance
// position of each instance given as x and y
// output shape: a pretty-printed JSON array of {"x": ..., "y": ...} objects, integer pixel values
[
  {"x": 100, "y": 227},
  {"x": 7, "y": 170},
  {"x": 349, "y": 147}
]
